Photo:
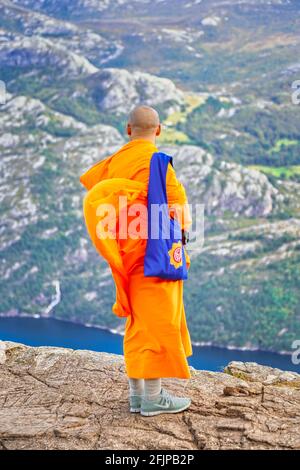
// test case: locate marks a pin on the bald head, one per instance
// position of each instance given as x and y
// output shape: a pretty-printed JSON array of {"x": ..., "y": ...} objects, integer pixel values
[{"x": 143, "y": 121}]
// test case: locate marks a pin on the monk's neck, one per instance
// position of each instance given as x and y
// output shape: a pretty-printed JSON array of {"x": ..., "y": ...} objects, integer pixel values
[{"x": 143, "y": 139}]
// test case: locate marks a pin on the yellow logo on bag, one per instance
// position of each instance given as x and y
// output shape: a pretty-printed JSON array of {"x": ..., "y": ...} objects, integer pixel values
[{"x": 175, "y": 254}]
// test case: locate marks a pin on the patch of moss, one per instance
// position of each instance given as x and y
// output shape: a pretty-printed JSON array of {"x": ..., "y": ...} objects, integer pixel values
[{"x": 238, "y": 375}]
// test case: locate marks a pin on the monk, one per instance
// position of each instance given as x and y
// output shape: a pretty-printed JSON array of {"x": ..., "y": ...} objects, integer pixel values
[{"x": 156, "y": 339}]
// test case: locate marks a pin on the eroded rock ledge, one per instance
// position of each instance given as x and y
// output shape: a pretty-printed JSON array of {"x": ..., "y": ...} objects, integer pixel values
[{"x": 56, "y": 398}]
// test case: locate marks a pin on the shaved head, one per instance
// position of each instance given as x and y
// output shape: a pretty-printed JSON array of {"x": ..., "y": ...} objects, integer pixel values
[{"x": 143, "y": 121}]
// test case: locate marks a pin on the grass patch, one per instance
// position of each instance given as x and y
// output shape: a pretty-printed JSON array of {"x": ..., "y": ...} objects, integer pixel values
[
  {"x": 283, "y": 143},
  {"x": 173, "y": 136},
  {"x": 278, "y": 172}
]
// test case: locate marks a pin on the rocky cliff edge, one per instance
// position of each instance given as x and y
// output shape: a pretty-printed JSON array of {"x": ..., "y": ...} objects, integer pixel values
[{"x": 57, "y": 398}]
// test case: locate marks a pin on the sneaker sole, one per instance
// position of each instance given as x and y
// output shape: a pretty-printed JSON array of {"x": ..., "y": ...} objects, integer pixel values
[
  {"x": 158, "y": 412},
  {"x": 135, "y": 410}
]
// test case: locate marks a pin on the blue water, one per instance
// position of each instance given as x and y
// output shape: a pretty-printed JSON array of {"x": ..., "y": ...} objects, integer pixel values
[{"x": 51, "y": 332}]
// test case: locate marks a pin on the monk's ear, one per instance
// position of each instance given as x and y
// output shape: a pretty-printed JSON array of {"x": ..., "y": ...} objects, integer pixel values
[
  {"x": 158, "y": 130},
  {"x": 128, "y": 129}
]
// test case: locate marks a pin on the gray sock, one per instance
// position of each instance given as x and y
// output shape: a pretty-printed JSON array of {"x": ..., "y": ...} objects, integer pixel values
[
  {"x": 136, "y": 386},
  {"x": 152, "y": 388}
]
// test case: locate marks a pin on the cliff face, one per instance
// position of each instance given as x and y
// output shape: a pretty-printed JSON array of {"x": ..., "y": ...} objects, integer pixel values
[{"x": 56, "y": 398}]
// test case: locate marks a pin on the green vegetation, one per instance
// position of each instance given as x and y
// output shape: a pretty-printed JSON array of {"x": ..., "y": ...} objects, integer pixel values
[
  {"x": 237, "y": 78},
  {"x": 249, "y": 307},
  {"x": 267, "y": 137},
  {"x": 282, "y": 172}
]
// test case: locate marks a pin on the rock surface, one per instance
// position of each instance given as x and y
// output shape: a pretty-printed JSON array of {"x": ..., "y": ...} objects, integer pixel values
[
  {"x": 40, "y": 52},
  {"x": 120, "y": 90},
  {"x": 56, "y": 398},
  {"x": 66, "y": 34},
  {"x": 223, "y": 186}
]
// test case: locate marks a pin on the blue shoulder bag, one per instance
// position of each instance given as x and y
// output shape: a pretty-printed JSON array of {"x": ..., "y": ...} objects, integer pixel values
[{"x": 165, "y": 255}]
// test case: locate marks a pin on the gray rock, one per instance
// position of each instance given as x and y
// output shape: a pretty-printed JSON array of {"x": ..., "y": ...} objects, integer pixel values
[
  {"x": 122, "y": 90},
  {"x": 56, "y": 398},
  {"x": 223, "y": 186},
  {"x": 38, "y": 52}
]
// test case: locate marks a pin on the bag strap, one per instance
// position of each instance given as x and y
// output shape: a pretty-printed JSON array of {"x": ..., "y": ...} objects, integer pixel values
[{"x": 157, "y": 187}]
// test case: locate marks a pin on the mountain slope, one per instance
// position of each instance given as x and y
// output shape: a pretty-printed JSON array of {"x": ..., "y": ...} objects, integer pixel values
[{"x": 220, "y": 74}]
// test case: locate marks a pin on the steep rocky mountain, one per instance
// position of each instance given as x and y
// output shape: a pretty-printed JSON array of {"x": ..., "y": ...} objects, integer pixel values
[
  {"x": 117, "y": 91},
  {"x": 224, "y": 186},
  {"x": 40, "y": 53},
  {"x": 110, "y": 8},
  {"x": 220, "y": 74},
  {"x": 16, "y": 20}
]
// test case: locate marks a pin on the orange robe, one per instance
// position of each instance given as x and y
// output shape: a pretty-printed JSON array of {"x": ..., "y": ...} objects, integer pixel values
[{"x": 156, "y": 340}]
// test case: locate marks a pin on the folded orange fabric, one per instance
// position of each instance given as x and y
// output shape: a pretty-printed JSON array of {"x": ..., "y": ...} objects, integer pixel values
[{"x": 156, "y": 341}]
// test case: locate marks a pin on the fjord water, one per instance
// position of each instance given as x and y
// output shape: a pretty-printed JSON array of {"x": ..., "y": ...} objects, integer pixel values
[{"x": 53, "y": 332}]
